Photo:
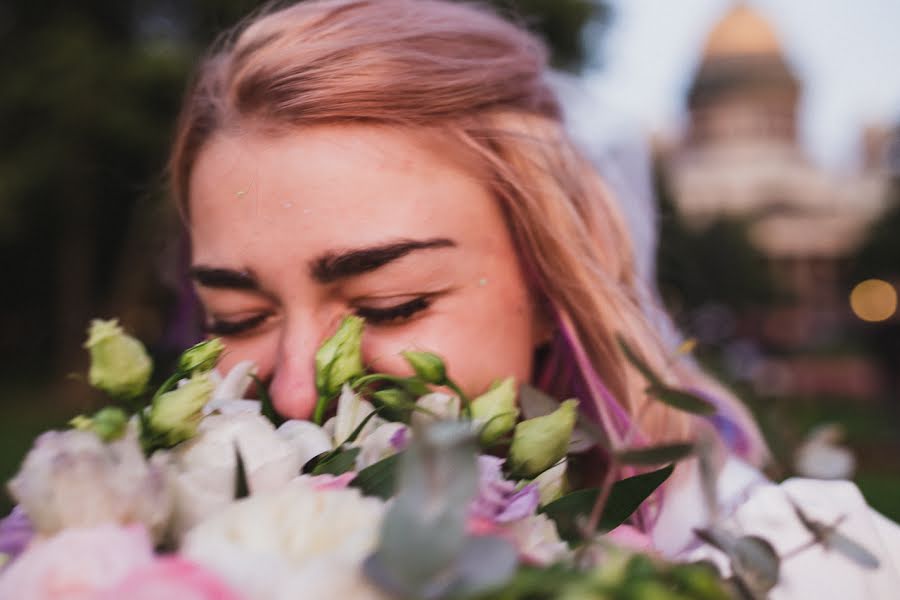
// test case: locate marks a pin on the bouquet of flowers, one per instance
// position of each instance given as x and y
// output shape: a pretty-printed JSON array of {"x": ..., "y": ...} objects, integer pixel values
[{"x": 399, "y": 487}]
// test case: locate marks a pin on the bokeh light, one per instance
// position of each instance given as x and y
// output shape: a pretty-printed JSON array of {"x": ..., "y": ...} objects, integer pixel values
[{"x": 873, "y": 300}]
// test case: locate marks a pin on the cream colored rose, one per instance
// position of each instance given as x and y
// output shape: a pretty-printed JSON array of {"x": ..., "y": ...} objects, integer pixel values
[
  {"x": 73, "y": 479},
  {"x": 203, "y": 470},
  {"x": 298, "y": 542}
]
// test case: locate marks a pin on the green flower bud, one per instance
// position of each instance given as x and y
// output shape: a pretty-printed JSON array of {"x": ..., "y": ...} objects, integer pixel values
[
  {"x": 394, "y": 398},
  {"x": 176, "y": 414},
  {"x": 428, "y": 366},
  {"x": 552, "y": 483},
  {"x": 108, "y": 423},
  {"x": 202, "y": 356},
  {"x": 496, "y": 410},
  {"x": 339, "y": 358},
  {"x": 120, "y": 365},
  {"x": 540, "y": 443}
]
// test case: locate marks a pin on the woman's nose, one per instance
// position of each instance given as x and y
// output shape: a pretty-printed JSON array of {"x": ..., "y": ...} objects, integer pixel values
[{"x": 293, "y": 383}]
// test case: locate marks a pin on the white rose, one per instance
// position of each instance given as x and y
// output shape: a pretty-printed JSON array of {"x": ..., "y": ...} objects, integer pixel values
[
  {"x": 296, "y": 542},
  {"x": 378, "y": 445},
  {"x": 73, "y": 479},
  {"x": 203, "y": 470},
  {"x": 437, "y": 406},
  {"x": 308, "y": 439}
]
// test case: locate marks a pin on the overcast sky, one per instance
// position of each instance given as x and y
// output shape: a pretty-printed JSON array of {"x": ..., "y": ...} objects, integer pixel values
[{"x": 846, "y": 52}]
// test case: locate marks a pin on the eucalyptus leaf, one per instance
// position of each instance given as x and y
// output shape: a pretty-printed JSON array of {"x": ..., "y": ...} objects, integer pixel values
[
  {"x": 832, "y": 539},
  {"x": 755, "y": 562},
  {"x": 682, "y": 400},
  {"x": 378, "y": 479},
  {"x": 638, "y": 363},
  {"x": 340, "y": 462},
  {"x": 423, "y": 533},
  {"x": 655, "y": 455},
  {"x": 853, "y": 550},
  {"x": 241, "y": 485},
  {"x": 485, "y": 562},
  {"x": 624, "y": 498},
  {"x": 534, "y": 402}
]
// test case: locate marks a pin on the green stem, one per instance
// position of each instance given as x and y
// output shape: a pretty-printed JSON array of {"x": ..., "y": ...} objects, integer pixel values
[
  {"x": 466, "y": 404},
  {"x": 167, "y": 385}
]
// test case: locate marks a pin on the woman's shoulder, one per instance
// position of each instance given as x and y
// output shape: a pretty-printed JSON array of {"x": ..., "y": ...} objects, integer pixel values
[{"x": 749, "y": 504}]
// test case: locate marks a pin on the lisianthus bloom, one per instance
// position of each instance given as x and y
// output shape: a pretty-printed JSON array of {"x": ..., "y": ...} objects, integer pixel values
[
  {"x": 203, "y": 469},
  {"x": 120, "y": 365},
  {"x": 15, "y": 533},
  {"x": 74, "y": 479},
  {"x": 77, "y": 564},
  {"x": 298, "y": 542},
  {"x": 541, "y": 442}
]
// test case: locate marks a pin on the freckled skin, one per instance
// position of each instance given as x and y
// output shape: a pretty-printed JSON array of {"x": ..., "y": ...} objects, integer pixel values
[{"x": 270, "y": 205}]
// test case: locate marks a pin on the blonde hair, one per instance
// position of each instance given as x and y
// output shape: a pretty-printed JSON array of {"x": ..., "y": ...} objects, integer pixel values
[{"x": 480, "y": 81}]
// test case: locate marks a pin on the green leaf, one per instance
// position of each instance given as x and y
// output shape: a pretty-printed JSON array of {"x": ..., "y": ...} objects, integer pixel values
[
  {"x": 268, "y": 409},
  {"x": 655, "y": 455},
  {"x": 355, "y": 433},
  {"x": 638, "y": 363},
  {"x": 379, "y": 479},
  {"x": 624, "y": 498},
  {"x": 340, "y": 462},
  {"x": 241, "y": 485},
  {"x": 682, "y": 400}
]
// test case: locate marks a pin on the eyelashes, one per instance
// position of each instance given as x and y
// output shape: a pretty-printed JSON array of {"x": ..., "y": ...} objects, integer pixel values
[
  {"x": 389, "y": 315},
  {"x": 393, "y": 314},
  {"x": 226, "y": 327}
]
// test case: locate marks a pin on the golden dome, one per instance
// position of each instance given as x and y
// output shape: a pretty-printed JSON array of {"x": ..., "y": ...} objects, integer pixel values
[{"x": 744, "y": 32}]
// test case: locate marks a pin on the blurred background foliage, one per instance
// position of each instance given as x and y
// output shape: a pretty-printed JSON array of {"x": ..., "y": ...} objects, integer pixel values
[{"x": 88, "y": 99}]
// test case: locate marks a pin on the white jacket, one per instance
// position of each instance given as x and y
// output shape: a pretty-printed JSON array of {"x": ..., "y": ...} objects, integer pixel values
[{"x": 751, "y": 504}]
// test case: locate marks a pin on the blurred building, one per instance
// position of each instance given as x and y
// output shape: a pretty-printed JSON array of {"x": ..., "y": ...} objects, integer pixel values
[{"x": 740, "y": 157}]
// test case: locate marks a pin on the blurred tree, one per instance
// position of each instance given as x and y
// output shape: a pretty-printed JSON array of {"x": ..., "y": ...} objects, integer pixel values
[
  {"x": 89, "y": 98},
  {"x": 572, "y": 28},
  {"x": 879, "y": 255}
]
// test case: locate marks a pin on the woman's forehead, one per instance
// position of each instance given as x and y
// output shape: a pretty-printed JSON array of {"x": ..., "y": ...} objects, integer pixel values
[{"x": 331, "y": 186}]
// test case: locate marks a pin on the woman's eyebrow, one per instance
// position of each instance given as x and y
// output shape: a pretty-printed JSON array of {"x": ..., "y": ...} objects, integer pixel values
[
  {"x": 217, "y": 277},
  {"x": 338, "y": 265}
]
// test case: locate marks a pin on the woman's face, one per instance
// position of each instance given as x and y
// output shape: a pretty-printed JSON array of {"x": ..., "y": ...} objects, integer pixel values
[{"x": 290, "y": 233}]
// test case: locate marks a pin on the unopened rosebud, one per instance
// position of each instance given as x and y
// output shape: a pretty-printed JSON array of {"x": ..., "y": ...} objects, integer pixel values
[
  {"x": 552, "y": 483},
  {"x": 176, "y": 414},
  {"x": 394, "y": 398},
  {"x": 428, "y": 366},
  {"x": 540, "y": 443},
  {"x": 120, "y": 365},
  {"x": 108, "y": 423},
  {"x": 201, "y": 357},
  {"x": 496, "y": 410},
  {"x": 339, "y": 358}
]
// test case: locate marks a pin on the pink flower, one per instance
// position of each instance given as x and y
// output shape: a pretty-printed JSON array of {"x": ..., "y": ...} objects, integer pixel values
[
  {"x": 76, "y": 564},
  {"x": 172, "y": 578}
]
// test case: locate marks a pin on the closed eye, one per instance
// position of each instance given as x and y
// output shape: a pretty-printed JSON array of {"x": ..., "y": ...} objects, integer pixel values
[
  {"x": 234, "y": 327},
  {"x": 393, "y": 314}
]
